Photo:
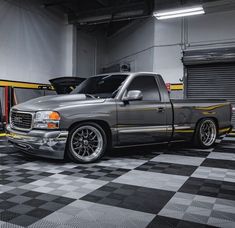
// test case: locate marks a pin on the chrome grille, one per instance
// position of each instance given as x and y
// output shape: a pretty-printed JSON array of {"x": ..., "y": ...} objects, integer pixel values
[{"x": 21, "y": 120}]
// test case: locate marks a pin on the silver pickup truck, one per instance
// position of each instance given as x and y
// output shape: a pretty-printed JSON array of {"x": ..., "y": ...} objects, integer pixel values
[{"x": 114, "y": 110}]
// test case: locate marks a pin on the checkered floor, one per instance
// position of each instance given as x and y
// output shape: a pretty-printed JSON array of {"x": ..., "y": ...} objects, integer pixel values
[{"x": 140, "y": 187}]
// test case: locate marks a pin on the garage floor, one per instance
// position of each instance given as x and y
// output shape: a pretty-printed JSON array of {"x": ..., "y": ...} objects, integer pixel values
[{"x": 170, "y": 188}]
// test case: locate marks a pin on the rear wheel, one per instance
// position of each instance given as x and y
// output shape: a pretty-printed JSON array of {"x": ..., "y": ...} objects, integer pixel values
[
  {"x": 87, "y": 142},
  {"x": 206, "y": 133}
]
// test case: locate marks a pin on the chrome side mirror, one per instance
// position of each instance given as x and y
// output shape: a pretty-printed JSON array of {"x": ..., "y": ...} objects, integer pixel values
[{"x": 133, "y": 95}]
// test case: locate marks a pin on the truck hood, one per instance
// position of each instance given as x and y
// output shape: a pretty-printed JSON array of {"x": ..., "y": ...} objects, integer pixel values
[{"x": 55, "y": 102}]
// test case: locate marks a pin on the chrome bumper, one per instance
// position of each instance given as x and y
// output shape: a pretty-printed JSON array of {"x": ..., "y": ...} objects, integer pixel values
[{"x": 50, "y": 144}]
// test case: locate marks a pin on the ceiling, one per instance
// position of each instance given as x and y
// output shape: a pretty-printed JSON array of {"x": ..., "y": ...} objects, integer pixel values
[
  {"x": 110, "y": 16},
  {"x": 165, "y": 4},
  {"x": 106, "y": 15},
  {"x": 209, "y": 6}
]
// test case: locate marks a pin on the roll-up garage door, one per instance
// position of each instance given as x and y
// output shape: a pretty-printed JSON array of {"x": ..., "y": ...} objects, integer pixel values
[{"x": 210, "y": 77}]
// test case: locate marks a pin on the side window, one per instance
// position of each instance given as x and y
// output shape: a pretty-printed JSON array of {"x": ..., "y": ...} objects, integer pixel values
[{"x": 148, "y": 86}]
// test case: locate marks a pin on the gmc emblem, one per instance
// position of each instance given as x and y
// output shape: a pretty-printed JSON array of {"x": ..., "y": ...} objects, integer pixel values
[{"x": 18, "y": 119}]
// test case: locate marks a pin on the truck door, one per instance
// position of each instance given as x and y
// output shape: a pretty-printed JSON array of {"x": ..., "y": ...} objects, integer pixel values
[{"x": 142, "y": 121}]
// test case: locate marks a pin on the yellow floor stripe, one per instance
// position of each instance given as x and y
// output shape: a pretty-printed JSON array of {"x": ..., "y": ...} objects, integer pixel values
[{"x": 3, "y": 134}]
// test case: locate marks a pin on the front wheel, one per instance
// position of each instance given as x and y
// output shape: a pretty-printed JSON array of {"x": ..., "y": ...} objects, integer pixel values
[
  {"x": 87, "y": 142},
  {"x": 206, "y": 133}
]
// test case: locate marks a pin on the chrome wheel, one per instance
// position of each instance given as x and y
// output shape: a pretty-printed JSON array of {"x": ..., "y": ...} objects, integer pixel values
[
  {"x": 208, "y": 132},
  {"x": 86, "y": 143}
]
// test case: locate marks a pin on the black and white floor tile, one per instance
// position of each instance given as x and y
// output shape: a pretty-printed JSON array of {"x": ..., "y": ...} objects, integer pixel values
[
  {"x": 176, "y": 186},
  {"x": 22, "y": 207},
  {"x": 65, "y": 185}
]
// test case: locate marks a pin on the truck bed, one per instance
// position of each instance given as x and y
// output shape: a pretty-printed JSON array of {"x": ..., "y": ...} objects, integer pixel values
[{"x": 188, "y": 112}]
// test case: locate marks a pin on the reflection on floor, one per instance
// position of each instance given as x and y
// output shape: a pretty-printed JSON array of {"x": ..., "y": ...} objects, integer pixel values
[{"x": 139, "y": 187}]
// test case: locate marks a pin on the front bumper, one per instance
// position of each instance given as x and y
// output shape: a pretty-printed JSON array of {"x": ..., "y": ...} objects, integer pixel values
[{"x": 50, "y": 144}]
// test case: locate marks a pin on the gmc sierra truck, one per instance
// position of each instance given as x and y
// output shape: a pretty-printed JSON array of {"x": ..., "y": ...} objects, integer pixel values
[{"x": 114, "y": 110}]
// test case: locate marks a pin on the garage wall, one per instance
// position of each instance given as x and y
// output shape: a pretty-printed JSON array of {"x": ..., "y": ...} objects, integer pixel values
[
  {"x": 91, "y": 53},
  {"x": 86, "y": 54},
  {"x": 167, "y": 49},
  {"x": 36, "y": 43},
  {"x": 33, "y": 42},
  {"x": 216, "y": 29},
  {"x": 200, "y": 32},
  {"x": 134, "y": 45},
  {"x": 157, "y": 46}
]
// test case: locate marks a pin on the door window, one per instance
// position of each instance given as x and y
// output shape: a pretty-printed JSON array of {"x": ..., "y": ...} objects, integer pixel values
[{"x": 148, "y": 86}]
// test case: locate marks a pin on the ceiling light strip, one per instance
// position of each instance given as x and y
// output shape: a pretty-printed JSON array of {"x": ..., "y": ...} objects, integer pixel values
[
  {"x": 180, "y": 12},
  {"x": 181, "y": 15}
]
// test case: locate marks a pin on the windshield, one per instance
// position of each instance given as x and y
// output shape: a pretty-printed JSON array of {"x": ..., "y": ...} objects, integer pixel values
[{"x": 105, "y": 86}]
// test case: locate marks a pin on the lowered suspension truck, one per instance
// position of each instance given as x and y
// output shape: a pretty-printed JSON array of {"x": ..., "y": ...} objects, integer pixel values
[{"x": 114, "y": 110}]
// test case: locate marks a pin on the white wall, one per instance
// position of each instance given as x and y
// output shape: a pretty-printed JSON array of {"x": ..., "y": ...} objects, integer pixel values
[
  {"x": 167, "y": 62},
  {"x": 199, "y": 32},
  {"x": 86, "y": 54},
  {"x": 133, "y": 45},
  {"x": 167, "y": 49},
  {"x": 32, "y": 42},
  {"x": 91, "y": 53},
  {"x": 145, "y": 44},
  {"x": 217, "y": 28},
  {"x": 36, "y": 44},
  {"x": 70, "y": 51},
  {"x": 157, "y": 46}
]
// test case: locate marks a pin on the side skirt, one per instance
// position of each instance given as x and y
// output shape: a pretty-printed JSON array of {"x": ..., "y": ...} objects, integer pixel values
[{"x": 149, "y": 144}]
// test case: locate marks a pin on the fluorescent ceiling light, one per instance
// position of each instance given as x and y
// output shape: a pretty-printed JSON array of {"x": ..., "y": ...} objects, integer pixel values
[
  {"x": 180, "y": 15},
  {"x": 179, "y": 12}
]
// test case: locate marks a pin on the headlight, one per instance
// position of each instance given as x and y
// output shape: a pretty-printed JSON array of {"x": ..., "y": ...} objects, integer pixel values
[{"x": 47, "y": 120}]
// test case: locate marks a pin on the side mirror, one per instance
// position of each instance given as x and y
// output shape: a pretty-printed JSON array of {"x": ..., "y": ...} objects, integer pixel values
[{"x": 133, "y": 95}]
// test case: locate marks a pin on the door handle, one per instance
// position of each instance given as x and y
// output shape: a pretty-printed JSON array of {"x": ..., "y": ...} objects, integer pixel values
[{"x": 161, "y": 109}]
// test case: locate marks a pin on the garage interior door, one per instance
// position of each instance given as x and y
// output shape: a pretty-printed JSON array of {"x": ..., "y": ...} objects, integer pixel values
[{"x": 215, "y": 80}]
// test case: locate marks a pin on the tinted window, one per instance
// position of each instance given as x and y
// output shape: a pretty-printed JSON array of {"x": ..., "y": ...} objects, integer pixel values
[
  {"x": 148, "y": 86},
  {"x": 101, "y": 86}
]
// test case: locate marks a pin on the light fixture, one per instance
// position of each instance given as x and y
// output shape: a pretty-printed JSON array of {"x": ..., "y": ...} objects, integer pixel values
[{"x": 179, "y": 12}]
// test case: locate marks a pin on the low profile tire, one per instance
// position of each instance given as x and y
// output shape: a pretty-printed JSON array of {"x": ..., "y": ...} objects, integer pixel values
[
  {"x": 206, "y": 133},
  {"x": 87, "y": 142}
]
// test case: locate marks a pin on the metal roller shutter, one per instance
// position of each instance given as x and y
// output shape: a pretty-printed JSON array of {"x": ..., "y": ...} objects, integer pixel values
[{"x": 215, "y": 80}]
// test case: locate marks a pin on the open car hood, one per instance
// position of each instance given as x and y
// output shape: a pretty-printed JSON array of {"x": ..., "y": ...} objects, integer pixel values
[{"x": 65, "y": 85}]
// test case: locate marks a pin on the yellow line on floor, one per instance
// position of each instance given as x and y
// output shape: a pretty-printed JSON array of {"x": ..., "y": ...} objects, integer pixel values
[{"x": 3, "y": 134}]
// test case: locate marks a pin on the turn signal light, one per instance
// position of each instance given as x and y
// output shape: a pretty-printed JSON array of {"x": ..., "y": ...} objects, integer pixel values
[
  {"x": 52, "y": 126},
  {"x": 54, "y": 116}
]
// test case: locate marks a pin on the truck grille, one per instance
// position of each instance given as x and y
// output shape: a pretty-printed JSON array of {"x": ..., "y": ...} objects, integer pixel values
[{"x": 21, "y": 120}]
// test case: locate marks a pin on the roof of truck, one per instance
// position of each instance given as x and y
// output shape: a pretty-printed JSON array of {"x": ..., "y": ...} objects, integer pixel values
[{"x": 124, "y": 73}]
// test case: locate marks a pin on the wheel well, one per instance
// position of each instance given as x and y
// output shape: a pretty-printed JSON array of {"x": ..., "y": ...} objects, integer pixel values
[
  {"x": 103, "y": 124},
  {"x": 212, "y": 118}
]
